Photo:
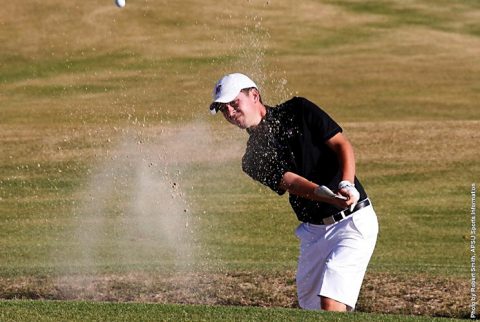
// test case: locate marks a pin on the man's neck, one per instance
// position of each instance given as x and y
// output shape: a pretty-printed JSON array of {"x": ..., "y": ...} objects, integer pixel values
[{"x": 262, "y": 112}]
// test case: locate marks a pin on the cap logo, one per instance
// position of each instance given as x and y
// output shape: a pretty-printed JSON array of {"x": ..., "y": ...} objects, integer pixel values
[{"x": 218, "y": 89}]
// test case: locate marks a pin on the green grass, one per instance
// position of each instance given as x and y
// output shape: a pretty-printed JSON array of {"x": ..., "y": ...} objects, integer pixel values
[
  {"x": 420, "y": 220},
  {"x": 438, "y": 15},
  {"x": 87, "y": 311}
]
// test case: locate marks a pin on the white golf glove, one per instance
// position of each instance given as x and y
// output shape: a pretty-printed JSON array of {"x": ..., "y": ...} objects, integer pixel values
[{"x": 352, "y": 192}]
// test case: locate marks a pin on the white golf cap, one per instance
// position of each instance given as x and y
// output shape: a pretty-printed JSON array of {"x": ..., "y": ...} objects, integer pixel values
[{"x": 228, "y": 87}]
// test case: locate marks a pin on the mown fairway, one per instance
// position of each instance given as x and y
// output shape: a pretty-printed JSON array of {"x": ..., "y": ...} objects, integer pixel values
[
  {"x": 82, "y": 311},
  {"x": 116, "y": 184}
]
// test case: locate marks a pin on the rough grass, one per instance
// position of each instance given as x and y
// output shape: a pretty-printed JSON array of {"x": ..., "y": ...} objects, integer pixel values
[
  {"x": 415, "y": 261},
  {"x": 408, "y": 294}
]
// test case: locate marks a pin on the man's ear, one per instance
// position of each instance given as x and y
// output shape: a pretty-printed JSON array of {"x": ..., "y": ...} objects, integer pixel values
[{"x": 256, "y": 94}]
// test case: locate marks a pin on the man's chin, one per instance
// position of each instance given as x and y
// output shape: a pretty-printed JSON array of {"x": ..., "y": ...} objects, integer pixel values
[{"x": 241, "y": 125}]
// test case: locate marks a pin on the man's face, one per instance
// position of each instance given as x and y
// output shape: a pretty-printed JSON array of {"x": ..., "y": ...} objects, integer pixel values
[{"x": 243, "y": 110}]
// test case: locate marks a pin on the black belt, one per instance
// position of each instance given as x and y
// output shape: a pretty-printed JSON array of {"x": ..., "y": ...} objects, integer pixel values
[{"x": 344, "y": 213}]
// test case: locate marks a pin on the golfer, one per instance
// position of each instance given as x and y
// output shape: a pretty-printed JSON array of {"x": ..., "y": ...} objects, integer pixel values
[{"x": 297, "y": 148}]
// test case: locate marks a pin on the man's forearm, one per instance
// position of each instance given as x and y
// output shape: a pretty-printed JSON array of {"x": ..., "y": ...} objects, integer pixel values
[
  {"x": 347, "y": 162},
  {"x": 298, "y": 185},
  {"x": 344, "y": 151}
]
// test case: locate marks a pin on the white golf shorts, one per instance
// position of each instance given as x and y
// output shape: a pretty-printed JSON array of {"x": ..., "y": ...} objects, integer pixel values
[{"x": 333, "y": 258}]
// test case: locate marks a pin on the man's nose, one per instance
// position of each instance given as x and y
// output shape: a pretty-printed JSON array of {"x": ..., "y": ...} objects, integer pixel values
[{"x": 230, "y": 110}]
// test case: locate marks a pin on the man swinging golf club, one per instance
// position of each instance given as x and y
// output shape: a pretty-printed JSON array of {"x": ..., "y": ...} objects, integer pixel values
[{"x": 297, "y": 147}]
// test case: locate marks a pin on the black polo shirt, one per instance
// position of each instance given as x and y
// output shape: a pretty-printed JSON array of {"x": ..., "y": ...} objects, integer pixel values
[{"x": 292, "y": 137}]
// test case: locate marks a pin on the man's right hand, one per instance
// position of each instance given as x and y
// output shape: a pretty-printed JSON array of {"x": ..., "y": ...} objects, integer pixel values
[{"x": 300, "y": 186}]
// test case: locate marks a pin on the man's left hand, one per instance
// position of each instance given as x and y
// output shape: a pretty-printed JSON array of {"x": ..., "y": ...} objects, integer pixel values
[{"x": 347, "y": 189}]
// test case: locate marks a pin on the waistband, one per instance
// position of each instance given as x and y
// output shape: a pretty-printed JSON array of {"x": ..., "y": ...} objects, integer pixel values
[{"x": 342, "y": 214}]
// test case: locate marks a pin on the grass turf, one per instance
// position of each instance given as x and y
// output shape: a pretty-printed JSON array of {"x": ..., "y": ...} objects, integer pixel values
[{"x": 87, "y": 311}]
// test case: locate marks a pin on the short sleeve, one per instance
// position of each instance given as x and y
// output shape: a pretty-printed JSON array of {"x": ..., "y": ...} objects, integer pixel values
[{"x": 318, "y": 121}]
